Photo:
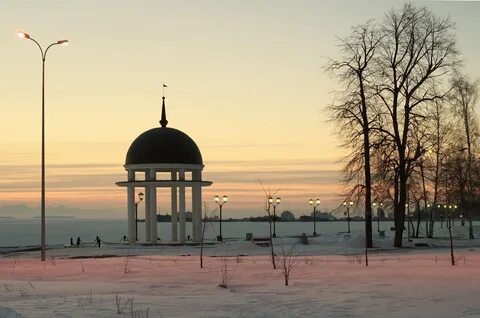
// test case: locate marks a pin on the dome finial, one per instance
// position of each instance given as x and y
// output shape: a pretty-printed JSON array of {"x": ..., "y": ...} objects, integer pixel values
[{"x": 163, "y": 120}]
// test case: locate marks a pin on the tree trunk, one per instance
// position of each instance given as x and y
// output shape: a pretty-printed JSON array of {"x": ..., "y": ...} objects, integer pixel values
[
  {"x": 452, "y": 256},
  {"x": 368, "y": 192},
  {"x": 399, "y": 208},
  {"x": 419, "y": 219}
]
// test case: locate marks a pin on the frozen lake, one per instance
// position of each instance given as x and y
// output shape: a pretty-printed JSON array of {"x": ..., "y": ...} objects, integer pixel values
[{"x": 21, "y": 232}]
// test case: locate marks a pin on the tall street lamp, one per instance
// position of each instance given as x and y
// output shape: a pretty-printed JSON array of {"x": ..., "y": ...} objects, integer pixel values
[
  {"x": 441, "y": 217},
  {"x": 24, "y": 35},
  {"x": 350, "y": 204},
  {"x": 454, "y": 211},
  {"x": 314, "y": 204},
  {"x": 220, "y": 204},
  {"x": 378, "y": 216},
  {"x": 275, "y": 203},
  {"x": 408, "y": 221},
  {"x": 140, "y": 199},
  {"x": 378, "y": 207}
]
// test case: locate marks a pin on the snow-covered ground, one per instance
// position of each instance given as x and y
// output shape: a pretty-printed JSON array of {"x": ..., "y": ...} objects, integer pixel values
[{"x": 167, "y": 281}]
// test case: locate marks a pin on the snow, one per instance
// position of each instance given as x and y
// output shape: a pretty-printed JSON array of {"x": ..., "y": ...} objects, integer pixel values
[{"x": 397, "y": 283}]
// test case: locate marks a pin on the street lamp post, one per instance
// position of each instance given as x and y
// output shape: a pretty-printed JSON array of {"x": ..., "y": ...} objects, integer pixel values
[
  {"x": 408, "y": 221},
  {"x": 429, "y": 208},
  {"x": 140, "y": 199},
  {"x": 220, "y": 204},
  {"x": 454, "y": 211},
  {"x": 314, "y": 204},
  {"x": 378, "y": 207},
  {"x": 441, "y": 217},
  {"x": 348, "y": 213},
  {"x": 446, "y": 215},
  {"x": 24, "y": 35},
  {"x": 277, "y": 202},
  {"x": 378, "y": 216}
]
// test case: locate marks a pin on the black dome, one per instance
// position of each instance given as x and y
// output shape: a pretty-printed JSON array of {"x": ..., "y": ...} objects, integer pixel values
[{"x": 163, "y": 145}]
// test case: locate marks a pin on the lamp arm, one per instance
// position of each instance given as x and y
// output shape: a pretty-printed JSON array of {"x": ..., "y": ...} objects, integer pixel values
[
  {"x": 39, "y": 46},
  {"x": 48, "y": 47}
]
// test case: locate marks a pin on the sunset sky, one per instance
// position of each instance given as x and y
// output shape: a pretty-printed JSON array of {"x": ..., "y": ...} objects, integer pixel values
[{"x": 245, "y": 81}]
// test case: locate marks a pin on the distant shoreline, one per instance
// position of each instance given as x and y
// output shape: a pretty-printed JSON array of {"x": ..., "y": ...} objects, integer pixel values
[{"x": 55, "y": 217}]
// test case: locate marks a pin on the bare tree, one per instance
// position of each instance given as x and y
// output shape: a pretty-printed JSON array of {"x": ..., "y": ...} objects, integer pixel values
[
  {"x": 416, "y": 53},
  {"x": 205, "y": 223},
  {"x": 268, "y": 201},
  {"x": 353, "y": 112},
  {"x": 225, "y": 270},
  {"x": 287, "y": 260},
  {"x": 463, "y": 98},
  {"x": 441, "y": 130}
]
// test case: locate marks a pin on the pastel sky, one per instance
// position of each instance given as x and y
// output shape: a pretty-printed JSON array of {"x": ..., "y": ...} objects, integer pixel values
[{"x": 244, "y": 78}]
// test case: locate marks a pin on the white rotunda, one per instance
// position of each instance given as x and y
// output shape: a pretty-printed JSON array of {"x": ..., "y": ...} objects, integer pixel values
[{"x": 164, "y": 151}]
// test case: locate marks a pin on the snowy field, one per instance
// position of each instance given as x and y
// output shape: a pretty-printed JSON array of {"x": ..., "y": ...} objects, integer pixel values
[{"x": 168, "y": 282}]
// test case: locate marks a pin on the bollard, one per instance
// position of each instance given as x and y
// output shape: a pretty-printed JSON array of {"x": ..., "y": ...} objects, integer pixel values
[{"x": 304, "y": 239}]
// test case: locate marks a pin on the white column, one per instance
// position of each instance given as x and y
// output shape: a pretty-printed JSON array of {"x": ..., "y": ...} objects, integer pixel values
[
  {"x": 148, "y": 225},
  {"x": 174, "y": 209},
  {"x": 194, "y": 218},
  {"x": 197, "y": 205},
  {"x": 131, "y": 208},
  {"x": 153, "y": 206},
  {"x": 181, "y": 199}
]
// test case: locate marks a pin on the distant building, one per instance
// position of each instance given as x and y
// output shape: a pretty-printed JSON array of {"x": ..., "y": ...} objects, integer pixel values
[
  {"x": 287, "y": 216},
  {"x": 322, "y": 216}
]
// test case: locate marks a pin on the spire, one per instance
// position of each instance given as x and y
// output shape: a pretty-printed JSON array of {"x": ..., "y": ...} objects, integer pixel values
[{"x": 164, "y": 120}]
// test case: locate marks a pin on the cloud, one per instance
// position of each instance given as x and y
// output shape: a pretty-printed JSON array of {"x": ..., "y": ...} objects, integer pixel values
[{"x": 88, "y": 186}]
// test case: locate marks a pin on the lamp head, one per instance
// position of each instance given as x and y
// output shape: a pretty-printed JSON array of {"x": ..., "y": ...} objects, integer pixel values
[
  {"x": 278, "y": 200},
  {"x": 428, "y": 205},
  {"x": 381, "y": 204},
  {"x": 310, "y": 201},
  {"x": 344, "y": 203},
  {"x": 317, "y": 201},
  {"x": 225, "y": 199},
  {"x": 140, "y": 196},
  {"x": 270, "y": 199},
  {"x": 63, "y": 42},
  {"x": 374, "y": 204},
  {"x": 351, "y": 203},
  {"x": 23, "y": 35},
  {"x": 217, "y": 198},
  {"x": 455, "y": 206}
]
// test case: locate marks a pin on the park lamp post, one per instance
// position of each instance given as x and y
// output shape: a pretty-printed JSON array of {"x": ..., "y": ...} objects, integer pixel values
[
  {"x": 27, "y": 36},
  {"x": 439, "y": 206},
  {"x": 220, "y": 205},
  {"x": 407, "y": 207},
  {"x": 446, "y": 215},
  {"x": 314, "y": 204},
  {"x": 378, "y": 216},
  {"x": 378, "y": 213},
  {"x": 275, "y": 203},
  {"x": 140, "y": 199},
  {"x": 350, "y": 204},
  {"x": 454, "y": 211}
]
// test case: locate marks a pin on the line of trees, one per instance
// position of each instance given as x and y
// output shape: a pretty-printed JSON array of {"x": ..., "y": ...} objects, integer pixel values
[{"x": 406, "y": 115}]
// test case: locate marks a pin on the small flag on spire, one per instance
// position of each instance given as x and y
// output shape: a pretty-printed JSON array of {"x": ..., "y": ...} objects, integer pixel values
[{"x": 165, "y": 85}]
